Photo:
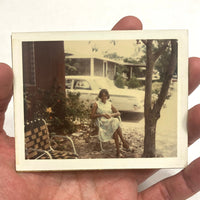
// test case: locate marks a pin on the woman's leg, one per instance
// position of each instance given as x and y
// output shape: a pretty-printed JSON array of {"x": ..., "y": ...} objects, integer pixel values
[
  {"x": 116, "y": 138},
  {"x": 125, "y": 143}
]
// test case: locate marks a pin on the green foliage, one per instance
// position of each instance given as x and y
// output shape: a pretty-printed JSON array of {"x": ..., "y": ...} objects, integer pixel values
[
  {"x": 163, "y": 62},
  {"x": 76, "y": 108},
  {"x": 58, "y": 110},
  {"x": 70, "y": 67},
  {"x": 156, "y": 91},
  {"x": 131, "y": 60},
  {"x": 113, "y": 56},
  {"x": 156, "y": 87},
  {"x": 133, "y": 83},
  {"x": 119, "y": 81},
  {"x": 122, "y": 69}
]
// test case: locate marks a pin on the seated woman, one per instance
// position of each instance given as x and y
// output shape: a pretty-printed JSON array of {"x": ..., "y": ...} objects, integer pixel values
[{"x": 109, "y": 126}]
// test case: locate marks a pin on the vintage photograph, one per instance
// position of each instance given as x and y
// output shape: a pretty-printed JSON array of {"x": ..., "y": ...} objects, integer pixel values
[{"x": 107, "y": 99}]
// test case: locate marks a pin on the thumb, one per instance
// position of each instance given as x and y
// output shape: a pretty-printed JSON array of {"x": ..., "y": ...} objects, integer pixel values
[{"x": 6, "y": 82}]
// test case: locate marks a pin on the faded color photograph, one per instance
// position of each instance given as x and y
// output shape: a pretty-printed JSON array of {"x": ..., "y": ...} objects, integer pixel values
[{"x": 92, "y": 99}]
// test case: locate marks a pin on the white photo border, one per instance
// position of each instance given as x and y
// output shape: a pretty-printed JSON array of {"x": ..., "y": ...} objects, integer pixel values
[{"x": 180, "y": 161}]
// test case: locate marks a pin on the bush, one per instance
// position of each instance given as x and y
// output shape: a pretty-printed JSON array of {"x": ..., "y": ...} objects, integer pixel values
[
  {"x": 58, "y": 110},
  {"x": 76, "y": 108},
  {"x": 119, "y": 82},
  {"x": 133, "y": 83}
]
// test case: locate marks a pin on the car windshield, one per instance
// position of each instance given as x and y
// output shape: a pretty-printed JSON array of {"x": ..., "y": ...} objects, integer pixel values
[{"x": 104, "y": 83}]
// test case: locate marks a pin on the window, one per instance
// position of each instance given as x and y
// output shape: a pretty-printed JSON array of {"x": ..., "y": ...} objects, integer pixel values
[
  {"x": 68, "y": 84},
  {"x": 81, "y": 85}
]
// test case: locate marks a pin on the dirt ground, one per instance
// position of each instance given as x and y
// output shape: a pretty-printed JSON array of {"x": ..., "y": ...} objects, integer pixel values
[{"x": 89, "y": 146}]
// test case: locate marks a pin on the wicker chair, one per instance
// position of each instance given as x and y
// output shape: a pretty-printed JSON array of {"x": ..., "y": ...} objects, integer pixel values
[{"x": 38, "y": 142}]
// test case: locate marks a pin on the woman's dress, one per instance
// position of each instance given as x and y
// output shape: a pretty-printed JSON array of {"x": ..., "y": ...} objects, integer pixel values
[{"x": 107, "y": 127}]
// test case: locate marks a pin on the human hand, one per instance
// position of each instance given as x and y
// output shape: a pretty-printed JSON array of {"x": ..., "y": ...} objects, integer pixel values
[
  {"x": 113, "y": 184},
  {"x": 107, "y": 116}
]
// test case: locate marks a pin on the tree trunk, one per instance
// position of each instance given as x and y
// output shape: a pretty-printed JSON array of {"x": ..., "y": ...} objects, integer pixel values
[
  {"x": 153, "y": 114},
  {"x": 150, "y": 125},
  {"x": 150, "y": 138}
]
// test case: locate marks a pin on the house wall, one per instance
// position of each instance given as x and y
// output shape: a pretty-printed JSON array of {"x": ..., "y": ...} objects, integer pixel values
[
  {"x": 43, "y": 64},
  {"x": 43, "y": 68},
  {"x": 49, "y": 61}
]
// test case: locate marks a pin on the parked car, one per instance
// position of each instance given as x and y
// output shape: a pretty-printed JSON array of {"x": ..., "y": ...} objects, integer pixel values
[{"x": 124, "y": 100}]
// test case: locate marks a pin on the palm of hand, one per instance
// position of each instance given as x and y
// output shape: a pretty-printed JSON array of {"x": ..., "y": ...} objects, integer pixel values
[
  {"x": 64, "y": 185},
  {"x": 103, "y": 185}
]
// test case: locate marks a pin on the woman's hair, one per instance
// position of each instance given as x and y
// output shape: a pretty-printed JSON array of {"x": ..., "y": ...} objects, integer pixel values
[{"x": 105, "y": 91}]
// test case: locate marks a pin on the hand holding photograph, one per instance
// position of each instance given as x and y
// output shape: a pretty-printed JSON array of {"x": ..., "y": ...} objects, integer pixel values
[{"x": 100, "y": 100}]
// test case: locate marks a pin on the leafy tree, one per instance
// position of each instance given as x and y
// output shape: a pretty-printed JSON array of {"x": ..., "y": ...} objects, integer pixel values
[
  {"x": 163, "y": 60},
  {"x": 113, "y": 56},
  {"x": 131, "y": 60},
  {"x": 154, "y": 49}
]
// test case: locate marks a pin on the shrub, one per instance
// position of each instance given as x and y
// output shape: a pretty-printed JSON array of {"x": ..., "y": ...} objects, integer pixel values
[
  {"x": 119, "y": 82},
  {"x": 133, "y": 83},
  {"x": 58, "y": 110}
]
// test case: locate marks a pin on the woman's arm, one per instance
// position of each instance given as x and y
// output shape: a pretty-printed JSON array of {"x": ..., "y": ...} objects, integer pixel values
[
  {"x": 94, "y": 113},
  {"x": 115, "y": 113}
]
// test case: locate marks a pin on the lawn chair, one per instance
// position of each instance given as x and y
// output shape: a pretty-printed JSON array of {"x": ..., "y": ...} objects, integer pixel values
[
  {"x": 97, "y": 124},
  {"x": 38, "y": 142}
]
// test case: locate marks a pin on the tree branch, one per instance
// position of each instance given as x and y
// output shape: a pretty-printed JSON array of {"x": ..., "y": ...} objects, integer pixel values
[
  {"x": 148, "y": 77},
  {"x": 161, "y": 50},
  {"x": 167, "y": 80},
  {"x": 145, "y": 42}
]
